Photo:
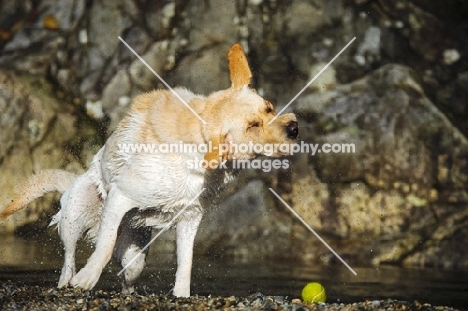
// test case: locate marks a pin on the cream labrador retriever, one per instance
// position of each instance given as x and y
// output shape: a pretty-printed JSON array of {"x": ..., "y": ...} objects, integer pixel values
[{"x": 123, "y": 195}]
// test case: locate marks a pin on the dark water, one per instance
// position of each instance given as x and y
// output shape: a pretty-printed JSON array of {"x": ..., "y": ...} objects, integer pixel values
[{"x": 38, "y": 263}]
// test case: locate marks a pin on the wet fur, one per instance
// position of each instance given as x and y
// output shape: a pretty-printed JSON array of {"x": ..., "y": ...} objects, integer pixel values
[{"x": 123, "y": 195}]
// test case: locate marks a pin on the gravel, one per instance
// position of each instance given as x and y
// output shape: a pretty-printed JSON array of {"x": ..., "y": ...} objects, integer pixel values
[{"x": 14, "y": 296}]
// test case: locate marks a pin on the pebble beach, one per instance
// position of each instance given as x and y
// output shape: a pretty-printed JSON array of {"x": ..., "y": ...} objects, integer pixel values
[{"x": 15, "y": 296}]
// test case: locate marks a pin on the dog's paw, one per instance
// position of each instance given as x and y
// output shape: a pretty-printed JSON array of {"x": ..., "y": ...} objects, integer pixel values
[
  {"x": 86, "y": 278},
  {"x": 181, "y": 290},
  {"x": 127, "y": 289},
  {"x": 65, "y": 276}
]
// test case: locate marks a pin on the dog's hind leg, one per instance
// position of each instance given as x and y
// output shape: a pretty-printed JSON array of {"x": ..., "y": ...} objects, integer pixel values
[
  {"x": 69, "y": 234},
  {"x": 131, "y": 240},
  {"x": 186, "y": 231},
  {"x": 80, "y": 210},
  {"x": 115, "y": 207}
]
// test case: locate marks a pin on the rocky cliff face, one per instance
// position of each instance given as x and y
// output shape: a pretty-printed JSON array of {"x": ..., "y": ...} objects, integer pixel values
[{"x": 398, "y": 93}]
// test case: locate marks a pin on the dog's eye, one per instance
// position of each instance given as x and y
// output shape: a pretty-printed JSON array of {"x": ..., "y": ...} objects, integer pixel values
[{"x": 254, "y": 124}]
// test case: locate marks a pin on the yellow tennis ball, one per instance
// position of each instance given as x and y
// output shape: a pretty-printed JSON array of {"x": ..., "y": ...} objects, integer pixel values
[{"x": 314, "y": 292}]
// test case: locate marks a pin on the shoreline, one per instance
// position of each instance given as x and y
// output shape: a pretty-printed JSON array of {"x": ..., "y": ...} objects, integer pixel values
[{"x": 16, "y": 296}]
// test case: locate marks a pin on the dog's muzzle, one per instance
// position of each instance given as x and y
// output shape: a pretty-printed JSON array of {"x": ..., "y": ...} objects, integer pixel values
[{"x": 292, "y": 130}]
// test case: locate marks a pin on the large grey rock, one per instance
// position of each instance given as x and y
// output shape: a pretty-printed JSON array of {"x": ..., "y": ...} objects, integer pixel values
[
  {"x": 405, "y": 179},
  {"x": 396, "y": 200},
  {"x": 209, "y": 66},
  {"x": 37, "y": 132},
  {"x": 245, "y": 225},
  {"x": 13, "y": 105}
]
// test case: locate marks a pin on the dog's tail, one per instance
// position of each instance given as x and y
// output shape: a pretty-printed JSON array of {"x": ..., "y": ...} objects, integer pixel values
[{"x": 36, "y": 186}]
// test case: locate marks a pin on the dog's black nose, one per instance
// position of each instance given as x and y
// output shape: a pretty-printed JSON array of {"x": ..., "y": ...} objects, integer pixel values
[{"x": 292, "y": 130}]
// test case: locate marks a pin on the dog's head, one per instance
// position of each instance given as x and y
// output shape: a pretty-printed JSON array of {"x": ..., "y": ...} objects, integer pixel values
[{"x": 238, "y": 119}]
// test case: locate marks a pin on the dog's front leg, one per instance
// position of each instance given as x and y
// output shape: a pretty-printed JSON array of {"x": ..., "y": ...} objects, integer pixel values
[
  {"x": 115, "y": 207},
  {"x": 186, "y": 232}
]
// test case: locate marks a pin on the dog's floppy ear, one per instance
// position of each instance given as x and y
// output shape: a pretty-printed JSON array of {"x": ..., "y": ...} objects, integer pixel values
[
  {"x": 213, "y": 156},
  {"x": 221, "y": 150},
  {"x": 239, "y": 67}
]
